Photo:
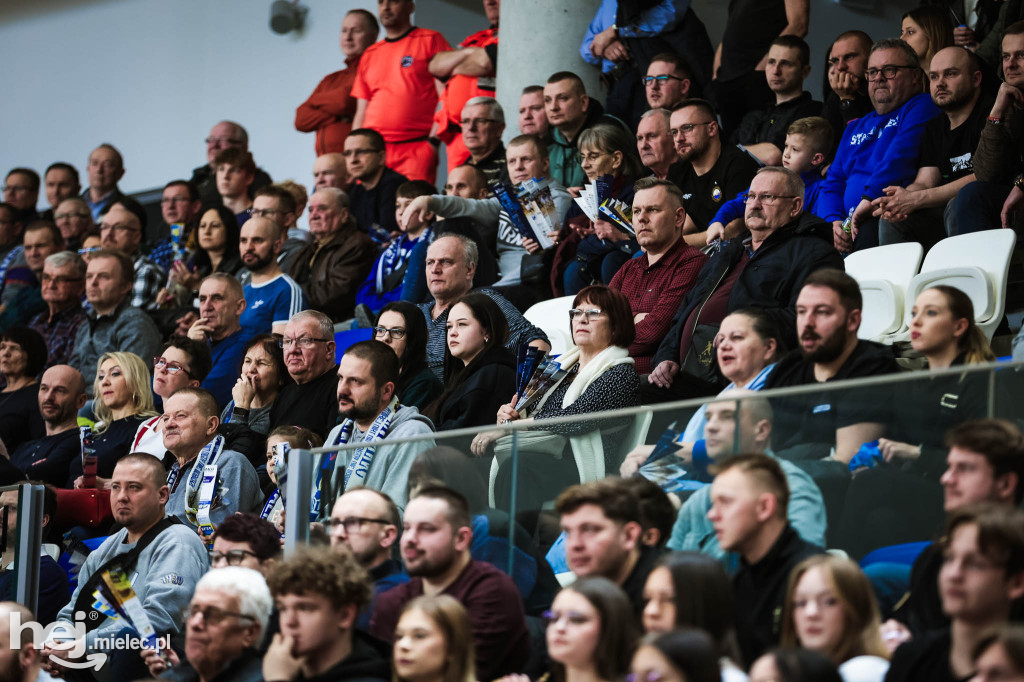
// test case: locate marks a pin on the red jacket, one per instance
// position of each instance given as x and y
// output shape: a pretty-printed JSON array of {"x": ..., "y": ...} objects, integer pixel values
[{"x": 329, "y": 110}]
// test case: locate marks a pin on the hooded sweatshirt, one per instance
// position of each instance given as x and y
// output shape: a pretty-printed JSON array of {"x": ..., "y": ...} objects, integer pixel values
[{"x": 389, "y": 470}]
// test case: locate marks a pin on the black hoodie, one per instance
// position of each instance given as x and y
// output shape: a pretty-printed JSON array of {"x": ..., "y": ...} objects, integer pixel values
[{"x": 369, "y": 661}]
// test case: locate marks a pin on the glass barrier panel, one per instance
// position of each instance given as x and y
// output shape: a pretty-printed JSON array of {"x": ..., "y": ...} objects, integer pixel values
[{"x": 863, "y": 459}]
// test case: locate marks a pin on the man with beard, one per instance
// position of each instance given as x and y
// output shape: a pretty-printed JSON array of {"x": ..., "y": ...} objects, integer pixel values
[
  {"x": 763, "y": 271},
  {"x": 369, "y": 412},
  {"x": 61, "y": 396},
  {"x": 271, "y": 297},
  {"x": 708, "y": 172},
  {"x": 925, "y": 211},
  {"x": 366, "y": 522},
  {"x": 828, "y": 314},
  {"x": 436, "y": 538}
]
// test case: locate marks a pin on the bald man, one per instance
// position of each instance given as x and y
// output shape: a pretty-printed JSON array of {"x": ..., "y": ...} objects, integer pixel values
[
  {"x": 61, "y": 395},
  {"x": 329, "y": 171},
  {"x": 223, "y": 135},
  {"x": 20, "y": 664}
]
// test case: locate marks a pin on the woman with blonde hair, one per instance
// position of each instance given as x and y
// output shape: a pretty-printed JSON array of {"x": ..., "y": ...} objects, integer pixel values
[
  {"x": 830, "y": 608},
  {"x": 433, "y": 642},
  {"x": 123, "y": 400}
]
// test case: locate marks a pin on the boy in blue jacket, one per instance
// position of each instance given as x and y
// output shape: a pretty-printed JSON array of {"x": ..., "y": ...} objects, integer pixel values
[{"x": 808, "y": 141}]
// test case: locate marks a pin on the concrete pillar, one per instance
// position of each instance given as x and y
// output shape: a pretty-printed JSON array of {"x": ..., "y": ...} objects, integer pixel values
[{"x": 538, "y": 38}]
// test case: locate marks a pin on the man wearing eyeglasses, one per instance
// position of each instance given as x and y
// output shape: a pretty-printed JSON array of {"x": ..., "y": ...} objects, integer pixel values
[
  {"x": 878, "y": 150},
  {"x": 667, "y": 82},
  {"x": 204, "y": 178},
  {"x": 244, "y": 539},
  {"x": 165, "y": 558},
  {"x": 42, "y": 239},
  {"x": 106, "y": 167},
  {"x": 765, "y": 271},
  {"x": 331, "y": 267},
  {"x": 21, "y": 190},
  {"x": 366, "y": 522},
  {"x": 73, "y": 220},
  {"x": 708, "y": 171},
  {"x": 63, "y": 283},
  {"x": 312, "y": 401},
  {"x": 179, "y": 205},
  {"x": 372, "y": 195},
  {"x": 121, "y": 230},
  {"x": 224, "y": 625},
  {"x": 483, "y": 122}
]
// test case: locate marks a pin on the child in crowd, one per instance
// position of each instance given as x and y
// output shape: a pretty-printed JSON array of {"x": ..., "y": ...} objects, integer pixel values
[
  {"x": 235, "y": 171},
  {"x": 808, "y": 141},
  {"x": 385, "y": 282}
]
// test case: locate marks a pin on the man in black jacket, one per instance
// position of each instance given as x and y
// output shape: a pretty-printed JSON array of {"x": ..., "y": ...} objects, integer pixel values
[
  {"x": 749, "y": 499},
  {"x": 766, "y": 271}
]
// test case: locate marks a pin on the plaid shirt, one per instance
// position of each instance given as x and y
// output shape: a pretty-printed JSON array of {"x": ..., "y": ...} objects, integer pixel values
[
  {"x": 149, "y": 279},
  {"x": 60, "y": 332},
  {"x": 656, "y": 290},
  {"x": 519, "y": 330}
]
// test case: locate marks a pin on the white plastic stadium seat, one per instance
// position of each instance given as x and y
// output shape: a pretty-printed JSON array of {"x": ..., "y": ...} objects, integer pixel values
[
  {"x": 977, "y": 264},
  {"x": 553, "y": 317},
  {"x": 884, "y": 273}
]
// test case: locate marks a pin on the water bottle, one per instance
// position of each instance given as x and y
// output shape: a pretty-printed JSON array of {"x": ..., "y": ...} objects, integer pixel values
[{"x": 848, "y": 223}]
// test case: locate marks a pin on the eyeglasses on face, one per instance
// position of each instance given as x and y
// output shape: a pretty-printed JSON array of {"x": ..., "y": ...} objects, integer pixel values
[
  {"x": 550, "y": 617},
  {"x": 591, "y": 157},
  {"x": 889, "y": 71},
  {"x": 476, "y": 122},
  {"x": 661, "y": 80},
  {"x": 765, "y": 198},
  {"x": 59, "y": 279},
  {"x": 171, "y": 367},
  {"x": 393, "y": 332},
  {"x": 688, "y": 128},
  {"x": 213, "y": 615},
  {"x": 233, "y": 557},
  {"x": 588, "y": 314},
  {"x": 265, "y": 212},
  {"x": 351, "y": 523},
  {"x": 301, "y": 342}
]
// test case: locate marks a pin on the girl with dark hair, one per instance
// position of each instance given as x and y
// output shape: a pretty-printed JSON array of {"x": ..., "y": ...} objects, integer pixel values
[
  {"x": 794, "y": 665},
  {"x": 693, "y": 590},
  {"x": 401, "y": 325},
  {"x": 263, "y": 375},
  {"x": 682, "y": 655},
  {"x": 22, "y": 358},
  {"x": 214, "y": 248},
  {"x": 479, "y": 372},
  {"x": 1000, "y": 652},
  {"x": 590, "y": 632}
]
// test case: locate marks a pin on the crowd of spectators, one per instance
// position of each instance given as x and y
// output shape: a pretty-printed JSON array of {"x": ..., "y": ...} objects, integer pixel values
[{"x": 156, "y": 374}]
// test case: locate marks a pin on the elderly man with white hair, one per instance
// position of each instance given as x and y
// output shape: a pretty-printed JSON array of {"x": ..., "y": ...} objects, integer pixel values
[
  {"x": 224, "y": 626},
  {"x": 331, "y": 267},
  {"x": 483, "y": 122}
]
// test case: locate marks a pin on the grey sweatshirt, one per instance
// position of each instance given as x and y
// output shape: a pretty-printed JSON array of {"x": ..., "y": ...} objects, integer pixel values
[
  {"x": 164, "y": 578},
  {"x": 238, "y": 489},
  {"x": 389, "y": 470},
  {"x": 489, "y": 211}
]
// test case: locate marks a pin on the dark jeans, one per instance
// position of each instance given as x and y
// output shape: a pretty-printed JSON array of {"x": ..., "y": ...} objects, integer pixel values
[
  {"x": 867, "y": 235},
  {"x": 978, "y": 206},
  {"x": 575, "y": 277}
]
